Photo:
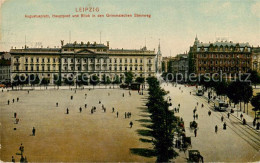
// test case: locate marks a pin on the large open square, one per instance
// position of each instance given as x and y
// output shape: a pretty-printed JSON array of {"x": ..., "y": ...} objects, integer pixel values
[{"x": 76, "y": 136}]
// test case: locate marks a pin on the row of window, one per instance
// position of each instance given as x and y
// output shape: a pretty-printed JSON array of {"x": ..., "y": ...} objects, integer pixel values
[
  {"x": 42, "y": 60},
  {"x": 221, "y": 68},
  {"x": 78, "y": 68},
  {"x": 224, "y": 62},
  {"x": 115, "y": 60},
  {"x": 223, "y": 56}
]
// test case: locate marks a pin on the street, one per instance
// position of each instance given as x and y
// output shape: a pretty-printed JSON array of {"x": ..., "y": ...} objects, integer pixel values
[{"x": 238, "y": 143}]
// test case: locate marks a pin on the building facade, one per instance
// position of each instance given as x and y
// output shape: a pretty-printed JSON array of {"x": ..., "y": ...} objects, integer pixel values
[
  {"x": 167, "y": 64},
  {"x": 80, "y": 58},
  {"x": 256, "y": 59},
  {"x": 226, "y": 57},
  {"x": 5, "y": 65}
]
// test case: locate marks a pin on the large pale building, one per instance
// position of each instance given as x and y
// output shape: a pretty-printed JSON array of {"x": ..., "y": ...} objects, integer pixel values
[{"x": 80, "y": 58}]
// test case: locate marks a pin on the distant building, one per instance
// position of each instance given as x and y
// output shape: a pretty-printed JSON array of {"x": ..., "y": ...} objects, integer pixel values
[
  {"x": 181, "y": 64},
  {"x": 226, "y": 57},
  {"x": 256, "y": 59},
  {"x": 167, "y": 64},
  {"x": 5, "y": 65},
  {"x": 78, "y": 58}
]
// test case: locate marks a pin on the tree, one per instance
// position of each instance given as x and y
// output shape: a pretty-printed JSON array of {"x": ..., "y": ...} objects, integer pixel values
[
  {"x": 34, "y": 79},
  {"x": 256, "y": 103},
  {"x": 45, "y": 81},
  {"x": 105, "y": 79},
  {"x": 221, "y": 88},
  {"x": 247, "y": 93},
  {"x": 94, "y": 80},
  {"x": 57, "y": 80},
  {"x": 129, "y": 77},
  {"x": 69, "y": 81},
  {"x": 254, "y": 77},
  {"x": 233, "y": 92},
  {"x": 82, "y": 80},
  {"x": 139, "y": 80}
]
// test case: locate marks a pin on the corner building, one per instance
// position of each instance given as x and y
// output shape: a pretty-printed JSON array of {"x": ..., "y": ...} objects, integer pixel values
[{"x": 220, "y": 56}]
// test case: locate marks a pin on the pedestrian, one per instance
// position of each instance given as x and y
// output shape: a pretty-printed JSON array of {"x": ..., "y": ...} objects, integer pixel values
[
  {"x": 222, "y": 118},
  {"x": 8, "y": 102},
  {"x": 179, "y": 105},
  {"x": 195, "y": 132},
  {"x": 16, "y": 120},
  {"x": 15, "y": 114},
  {"x": 21, "y": 148},
  {"x": 254, "y": 122},
  {"x": 125, "y": 114},
  {"x": 71, "y": 97},
  {"x": 131, "y": 124},
  {"x": 228, "y": 115},
  {"x": 57, "y": 104},
  {"x": 113, "y": 110},
  {"x": 209, "y": 112},
  {"x": 80, "y": 109},
  {"x": 17, "y": 99},
  {"x": 85, "y": 105},
  {"x": 224, "y": 126},
  {"x": 194, "y": 117},
  {"x": 190, "y": 93},
  {"x": 91, "y": 111},
  {"x": 117, "y": 114},
  {"x": 33, "y": 131},
  {"x": 202, "y": 105},
  {"x": 216, "y": 129},
  {"x": 13, "y": 100},
  {"x": 208, "y": 101},
  {"x": 197, "y": 116},
  {"x": 123, "y": 95},
  {"x": 67, "y": 110},
  {"x": 241, "y": 116},
  {"x": 22, "y": 158},
  {"x": 13, "y": 160},
  {"x": 197, "y": 103}
]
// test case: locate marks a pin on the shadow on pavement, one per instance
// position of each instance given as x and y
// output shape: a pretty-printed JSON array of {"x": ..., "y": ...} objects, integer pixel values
[
  {"x": 144, "y": 120},
  {"x": 145, "y": 140},
  {"x": 144, "y": 132},
  {"x": 143, "y": 152}
]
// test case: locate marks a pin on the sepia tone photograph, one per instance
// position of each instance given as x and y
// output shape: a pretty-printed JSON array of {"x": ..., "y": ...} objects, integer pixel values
[{"x": 129, "y": 81}]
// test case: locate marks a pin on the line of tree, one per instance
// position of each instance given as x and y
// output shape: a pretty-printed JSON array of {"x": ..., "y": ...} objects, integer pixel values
[
  {"x": 162, "y": 122},
  {"x": 237, "y": 91}
]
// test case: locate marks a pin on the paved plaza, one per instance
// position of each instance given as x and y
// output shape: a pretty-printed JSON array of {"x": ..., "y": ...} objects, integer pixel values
[
  {"x": 73, "y": 137},
  {"x": 238, "y": 143}
]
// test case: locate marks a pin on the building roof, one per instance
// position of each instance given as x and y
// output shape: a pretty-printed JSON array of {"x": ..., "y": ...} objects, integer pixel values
[{"x": 82, "y": 45}]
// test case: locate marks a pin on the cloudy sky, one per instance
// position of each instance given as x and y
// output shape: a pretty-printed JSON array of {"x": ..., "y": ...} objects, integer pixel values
[{"x": 174, "y": 22}]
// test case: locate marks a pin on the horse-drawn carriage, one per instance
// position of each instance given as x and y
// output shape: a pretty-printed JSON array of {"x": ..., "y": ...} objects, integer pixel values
[{"x": 194, "y": 156}]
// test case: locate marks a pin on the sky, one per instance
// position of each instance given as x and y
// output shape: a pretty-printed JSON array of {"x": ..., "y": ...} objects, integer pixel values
[{"x": 175, "y": 23}]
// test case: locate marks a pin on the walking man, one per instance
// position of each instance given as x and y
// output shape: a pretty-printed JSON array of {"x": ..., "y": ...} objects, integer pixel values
[
  {"x": 195, "y": 132},
  {"x": 216, "y": 129},
  {"x": 125, "y": 114},
  {"x": 13, "y": 160},
  {"x": 85, "y": 105},
  {"x": 57, "y": 104},
  {"x": 80, "y": 109},
  {"x": 131, "y": 124},
  {"x": 8, "y": 102},
  {"x": 117, "y": 114},
  {"x": 228, "y": 115},
  {"x": 33, "y": 131},
  {"x": 113, "y": 110},
  {"x": 67, "y": 110},
  {"x": 15, "y": 114},
  {"x": 222, "y": 118},
  {"x": 21, "y": 149}
]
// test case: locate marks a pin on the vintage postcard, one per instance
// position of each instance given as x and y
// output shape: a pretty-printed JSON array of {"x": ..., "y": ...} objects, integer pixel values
[{"x": 129, "y": 81}]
